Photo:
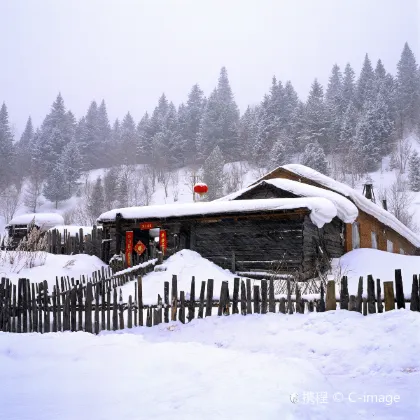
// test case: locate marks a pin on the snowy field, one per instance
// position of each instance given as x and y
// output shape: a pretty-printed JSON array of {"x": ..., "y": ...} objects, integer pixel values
[{"x": 219, "y": 368}]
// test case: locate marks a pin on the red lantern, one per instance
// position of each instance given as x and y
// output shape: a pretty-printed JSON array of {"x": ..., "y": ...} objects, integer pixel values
[{"x": 200, "y": 188}]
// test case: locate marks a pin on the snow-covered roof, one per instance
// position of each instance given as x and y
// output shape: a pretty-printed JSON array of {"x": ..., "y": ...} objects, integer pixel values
[
  {"x": 44, "y": 220},
  {"x": 321, "y": 210},
  {"x": 346, "y": 210},
  {"x": 358, "y": 199}
]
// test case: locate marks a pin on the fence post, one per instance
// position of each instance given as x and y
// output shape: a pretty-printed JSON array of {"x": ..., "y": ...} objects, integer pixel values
[
  {"x": 88, "y": 307},
  {"x": 235, "y": 308},
  {"x": 414, "y": 303},
  {"x": 344, "y": 294},
  {"x": 264, "y": 293},
  {"x": 243, "y": 298},
  {"x": 331, "y": 303},
  {"x": 371, "y": 295},
  {"x": 289, "y": 298},
  {"x": 209, "y": 301},
  {"x": 256, "y": 299},
  {"x": 352, "y": 303},
  {"x": 379, "y": 296},
  {"x": 271, "y": 302},
  {"x": 359, "y": 298},
  {"x": 191, "y": 305},
  {"x": 320, "y": 307},
  {"x": 182, "y": 307},
  {"x": 174, "y": 300},
  {"x": 201, "y": 305},
  {"x": 140, "y": 299},
  {"x": 399, "y": 291},
  {"x": 300, "y": 307},
  {"x": 248, "y": 297}
]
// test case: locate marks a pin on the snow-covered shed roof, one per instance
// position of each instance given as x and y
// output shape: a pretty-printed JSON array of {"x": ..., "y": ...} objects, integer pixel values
[
  {"x": 346, "y": 210},
  {"x": 44, "y": 220},
  {"x": 357, "y": 198},
  {"x": 321, "y": 210}
]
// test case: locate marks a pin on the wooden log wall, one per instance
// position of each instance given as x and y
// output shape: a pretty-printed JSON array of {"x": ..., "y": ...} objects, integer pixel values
[{"x": 97, "y": 304}]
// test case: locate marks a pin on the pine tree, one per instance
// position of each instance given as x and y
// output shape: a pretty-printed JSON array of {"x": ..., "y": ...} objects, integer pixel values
[
  {"x": 144, "y": 142},
  {"x": 96, "y": 205},
  {"x": 213, "y": 174},
  {"x": 408, "y": 90},
  {"x": 111, "y": 187},
  {"x": 278, "y": 154},
  {"x": 24, "y": 147},
  {"x": 248, "y": 133},
  {"x": 128, "y": 140},
  {"x": 56, "y": 132},
  {"x": 55, "y": 188},
  {"x": 291, "y": 102},
  {"x": 414, "y": 172},
  {"x": 365, "y": 84},
  {"x": 314, "y": 157},
  {"x": 7, "y": 150},
  {"x": 104, "y": 152},
  {"x": 316, "y": 118},
  {"x": 348, "y": 86},
  {"x": 71, "y": 160}
]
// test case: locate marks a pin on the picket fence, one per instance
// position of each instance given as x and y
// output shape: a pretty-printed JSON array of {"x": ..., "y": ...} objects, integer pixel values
[{"x": 96, "y": 304}]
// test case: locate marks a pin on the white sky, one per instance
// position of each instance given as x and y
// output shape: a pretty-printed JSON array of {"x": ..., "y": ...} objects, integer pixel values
[{"x": 129, "y": 52}]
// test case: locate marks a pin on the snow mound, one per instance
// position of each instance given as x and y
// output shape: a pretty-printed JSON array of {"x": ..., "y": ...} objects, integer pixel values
[
  {"x": 55, "y": 265},
  {"x": 346, "y": 210},
  {"x": 380, "y": 264},
  {"x": 322, "y": 210}
]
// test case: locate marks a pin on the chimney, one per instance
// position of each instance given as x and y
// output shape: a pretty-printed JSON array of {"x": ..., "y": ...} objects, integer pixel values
[
  {"x": 368, "y": 191},
  {"x": 384, "y": 205}
]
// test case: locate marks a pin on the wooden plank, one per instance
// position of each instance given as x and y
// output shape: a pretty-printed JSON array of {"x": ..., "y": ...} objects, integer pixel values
[
  {"x": 73, "y": 309},
  {"x": 271, "y": 302},
  {"x": 159, "y": 309},
  {"x": 166, "y": 301},
  {"x": 331, "y": 303},
  {"x": 108, "y": 308},
  {"x": 289, "y": 298},
  {"x": 182, "y": 307},
  {"x": 226, "y": 307},
  {"x": 359, "y": 298},
  {"x": 256, "y": 299},
  {"x": 129, "y": 312},
  {"x": 66, "y": 311},
  {"x": 88, "y": 307},
  {"x": 140, "y": 299},
  {"x": 149, "y": 317},
  {"x": 24, "y": 307},
  {"x": 96, "y": 309},
  {"x": 79, "y": 293},
  {"x": 115, "y": 311},
  {"x": 201, "y": 304},
  {"x": 174, "y": 298},
  {"x": 209, "y": 299},
  {"x": 321, "y": 303},
  {"x": 235, "y": 309},
  {"x": 389, "y": 295},
  {"x": 40, "y": 307},
  {"x": 19, "y": 306},
  {"x": 264, "y": 292},
  {"x": 300, "y": 307},
  {"x": 243, "y": 298},
  {"x": 399, "y": 291},
  {"x": 121, "y": 311},
  {"x": 311, "y": 306},
  {"x": 344, "y": 294},
  {"x": 34, "y": 309},
  {"x": 221, "y": 299},
  {"x": 54, "y": 309},
  {"x": 248, "y": 297},
  {"x": 371, "y": 295},
  {"x": 379, "y": 296},
  {"x": 414, "y": 301},
  {"x": 103, "y": 297},
  {"x": 13, "y": 309},
  {"x": 135, "y": 305},
  {"x": 364, "y": 306},
  {"x": 29, "y": 303},
  {"x": 191, "y": 303}
]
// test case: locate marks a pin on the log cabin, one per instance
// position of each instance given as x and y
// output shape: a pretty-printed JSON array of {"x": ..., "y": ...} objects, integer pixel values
[{"x": 290, "y": 222}]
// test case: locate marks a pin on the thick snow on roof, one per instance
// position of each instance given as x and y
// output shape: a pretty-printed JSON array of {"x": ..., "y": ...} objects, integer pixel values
[
  {"x": 358, "y": 199},
  {"x": 322, "y": 210},
  {"x": 346, "y": 210},
  {"x": 45, "y": 220}
]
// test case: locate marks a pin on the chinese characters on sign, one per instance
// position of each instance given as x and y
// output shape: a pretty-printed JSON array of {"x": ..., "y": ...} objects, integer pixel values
[
  {"x": 162, "y": 241},
  {"x": 147, "y": 225},
  {"x": 129, "y": 239}
]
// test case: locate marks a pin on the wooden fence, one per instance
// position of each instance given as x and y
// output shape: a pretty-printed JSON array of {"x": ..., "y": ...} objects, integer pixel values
[
  {"x": 95, "y": 305},
  {"x": 76, "y": 243}
]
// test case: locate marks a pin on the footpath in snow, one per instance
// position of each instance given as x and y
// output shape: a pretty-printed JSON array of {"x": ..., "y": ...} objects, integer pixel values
[{"x": 338, "y": 364}]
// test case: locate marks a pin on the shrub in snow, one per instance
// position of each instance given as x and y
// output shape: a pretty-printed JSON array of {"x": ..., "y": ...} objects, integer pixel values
[{"x": 314, "y": 157}]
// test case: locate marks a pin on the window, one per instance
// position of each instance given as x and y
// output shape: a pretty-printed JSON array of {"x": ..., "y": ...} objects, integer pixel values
[
  {"x": 374, "y": 237},
  {"x": 389, "y": 246},
  {"x": 355, "y": 235}
]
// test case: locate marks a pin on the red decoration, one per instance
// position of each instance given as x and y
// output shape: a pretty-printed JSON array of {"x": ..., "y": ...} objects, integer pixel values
[
  {"x": 162, "y": 241},
  {"x": 140, "y": 247},
  {"x": 147, "y": 225},
  {"x": 129, "y": 239},
  {"x": 200, "y": 188}
]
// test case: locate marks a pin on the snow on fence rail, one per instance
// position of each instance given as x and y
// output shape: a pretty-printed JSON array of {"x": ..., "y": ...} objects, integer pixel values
[{"x": 97, "y": 305}]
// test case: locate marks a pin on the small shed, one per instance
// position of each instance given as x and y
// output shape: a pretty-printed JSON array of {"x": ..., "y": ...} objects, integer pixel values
[{"x": 19, "y": 226}]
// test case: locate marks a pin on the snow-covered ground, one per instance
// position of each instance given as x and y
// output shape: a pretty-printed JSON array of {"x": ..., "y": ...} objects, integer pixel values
[
  {"x": 338, "y": 364},
  {"x": 48, "y": 266}
]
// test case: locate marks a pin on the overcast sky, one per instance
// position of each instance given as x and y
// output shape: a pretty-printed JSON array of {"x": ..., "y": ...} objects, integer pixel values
[{"x": 129, "y": 52}]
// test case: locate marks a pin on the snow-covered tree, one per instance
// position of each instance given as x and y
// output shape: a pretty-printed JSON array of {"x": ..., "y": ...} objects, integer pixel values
[
  {"x": 56, "y": 189},
  {"x": 365, "y": 84},
  {"x": 213, "y": 174},
  {"x": 7, "y": 151},
  {"x": 314, "y": 157},
  {"x": 414, "y": 172},
  {"x": 335, "y": 107},
  {"x": 96, "y": 204},
  {"x": 71, "y": 161},
  {"x": 128, "y": 140},
  {"x": 349, "y": 86},
  {"x": 278, "y": 153}
]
